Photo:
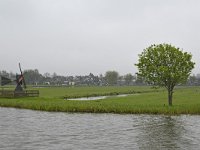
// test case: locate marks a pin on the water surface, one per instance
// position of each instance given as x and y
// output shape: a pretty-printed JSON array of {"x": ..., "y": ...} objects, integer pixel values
[
  {"x": 29, "y": 130},
  {"x": 98, "y": 97}
]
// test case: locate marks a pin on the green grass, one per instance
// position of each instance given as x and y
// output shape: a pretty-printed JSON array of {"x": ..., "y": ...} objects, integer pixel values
[
  {"x": 186, "y": 100},
  {"x": 76, "y": 92}
]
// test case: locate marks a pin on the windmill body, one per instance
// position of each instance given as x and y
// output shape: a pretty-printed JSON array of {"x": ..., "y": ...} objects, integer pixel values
[{"x": 19, "y": 80}]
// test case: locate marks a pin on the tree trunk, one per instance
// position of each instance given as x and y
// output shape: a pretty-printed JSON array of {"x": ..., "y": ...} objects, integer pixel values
[{"x": 170, "y": 94}]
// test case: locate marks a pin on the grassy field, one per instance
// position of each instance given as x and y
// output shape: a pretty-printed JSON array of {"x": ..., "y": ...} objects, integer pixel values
[{"x": 145, "y": 100}]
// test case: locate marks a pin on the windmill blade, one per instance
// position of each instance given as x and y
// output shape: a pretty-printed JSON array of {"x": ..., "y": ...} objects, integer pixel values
[
  {"x": 5, "y": 81},
  {"x": 20, "y": 69},
  {"x": 24, "y": 83},
  {"x": 23, "y": 80}
]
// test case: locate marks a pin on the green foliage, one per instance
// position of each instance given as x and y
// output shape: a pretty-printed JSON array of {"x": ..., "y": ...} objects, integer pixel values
[
  {"x": 111, "y": 77},
  {"x": 165, "y": 65}
]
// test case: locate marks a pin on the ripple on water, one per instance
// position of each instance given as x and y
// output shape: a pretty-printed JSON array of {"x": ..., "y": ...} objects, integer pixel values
[{"x": 26, "y": 130}]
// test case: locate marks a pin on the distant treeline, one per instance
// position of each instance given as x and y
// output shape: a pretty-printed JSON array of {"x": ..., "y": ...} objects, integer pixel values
[{"x": 33, "y": 77}]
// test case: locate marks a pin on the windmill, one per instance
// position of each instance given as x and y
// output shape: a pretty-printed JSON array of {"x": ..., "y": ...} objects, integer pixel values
[
  {"x": 19, "y": 89},
  {"x": 20, "y": 81}
]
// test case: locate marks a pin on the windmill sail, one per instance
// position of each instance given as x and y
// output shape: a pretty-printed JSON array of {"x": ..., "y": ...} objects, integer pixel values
[
  {"x": 19, "y": 79},
  {"x": 5, "y": 81},
  {"x": 22, "y": 76}
]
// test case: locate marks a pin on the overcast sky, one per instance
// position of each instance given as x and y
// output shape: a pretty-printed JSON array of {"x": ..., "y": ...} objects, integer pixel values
[{"x": 76, "y": 37}]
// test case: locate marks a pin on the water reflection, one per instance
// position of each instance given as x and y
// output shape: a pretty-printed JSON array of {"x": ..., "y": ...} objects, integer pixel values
[{"x": 163, "y": 132}]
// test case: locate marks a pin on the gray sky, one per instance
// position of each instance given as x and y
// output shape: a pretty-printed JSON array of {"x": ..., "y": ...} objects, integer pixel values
[{"x": 76, "y": 37}]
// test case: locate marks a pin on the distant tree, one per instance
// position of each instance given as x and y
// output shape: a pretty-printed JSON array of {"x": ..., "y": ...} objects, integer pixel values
[
  {"x": 198, "y": 81},
  {"x": 111, "y": 77},
  {"x": 165, "y": 65},
  {"x": 94, "y": 80},
  {"x": 192, "y": 80},
  {"x": 139, "y": 80},
  {"x": 101, "y": 80},
  {"x": 32, "y": 76},
  {"x": 128, "y": 78},
  {"x": 47, "y": 75},
  {"x": 4, "y": 73},
  {"x": 54, "y": 75},
  {"x": 12, "y": 75}
]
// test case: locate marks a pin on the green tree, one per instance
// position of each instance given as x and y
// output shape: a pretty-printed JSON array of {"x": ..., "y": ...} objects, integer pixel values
[
  {"x": 111, "y": 77},
  {"x": 128, "y": 78},
  {"x": 166, "y": 66},
  {"x": 32, "y": 76}
]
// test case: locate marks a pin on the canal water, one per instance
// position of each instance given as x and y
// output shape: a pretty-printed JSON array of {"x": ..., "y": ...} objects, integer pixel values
[
  {"x": 30, "y": 130},
  {"x": 97, "y": 97}
]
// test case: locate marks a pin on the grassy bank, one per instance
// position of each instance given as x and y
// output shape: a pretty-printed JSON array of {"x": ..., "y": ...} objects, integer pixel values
[{"x": 146, "y": 101}]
